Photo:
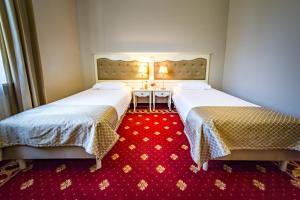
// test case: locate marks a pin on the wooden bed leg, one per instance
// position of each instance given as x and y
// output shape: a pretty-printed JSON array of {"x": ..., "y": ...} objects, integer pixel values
[
  {"x": 22, "y": 163},
  {"x": 205, "y": 166},
  {"x": 98, "y": 164},
  {"x": 283, "y": 165}
]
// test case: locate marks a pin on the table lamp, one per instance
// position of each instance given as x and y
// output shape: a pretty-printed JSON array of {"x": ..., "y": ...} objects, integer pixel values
[{"x": 163, "y": 70}]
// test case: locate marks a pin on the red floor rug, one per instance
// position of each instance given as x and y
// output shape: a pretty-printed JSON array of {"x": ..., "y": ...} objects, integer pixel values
[{"x": 150, "y": 161}]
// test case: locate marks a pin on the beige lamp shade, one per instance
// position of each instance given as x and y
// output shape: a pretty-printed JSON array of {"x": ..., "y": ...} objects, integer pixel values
[
  {"x": 143, "y": 69},
  {"x": 163, "y": 70}
]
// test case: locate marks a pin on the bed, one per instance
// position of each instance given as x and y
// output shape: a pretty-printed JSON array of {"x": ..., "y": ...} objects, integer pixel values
[
  {"x": 79, "y": 126},
  {"x": 207, "y": 112}
]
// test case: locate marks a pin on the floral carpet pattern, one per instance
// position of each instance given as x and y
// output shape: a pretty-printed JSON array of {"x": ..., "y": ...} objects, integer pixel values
[{"x": 150, "y": 161}]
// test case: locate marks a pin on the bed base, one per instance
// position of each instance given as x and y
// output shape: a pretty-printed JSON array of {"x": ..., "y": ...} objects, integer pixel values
[
  {"x": 22, "y": 164},
  {"x": 20, "y": 153},
  {"x": 283, "y": 166},
  {"x": 284, "y": 156}
]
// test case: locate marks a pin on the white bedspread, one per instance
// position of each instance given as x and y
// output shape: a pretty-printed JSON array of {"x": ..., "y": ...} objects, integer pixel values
[
  {"x": 185, "y": 100},
  {"x": 119, "y": 99}
]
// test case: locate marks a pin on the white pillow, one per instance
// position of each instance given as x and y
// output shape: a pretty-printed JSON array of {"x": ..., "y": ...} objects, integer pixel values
[
  {"x": 109, "y": 85},
  {"x": 194, "y": 85}
]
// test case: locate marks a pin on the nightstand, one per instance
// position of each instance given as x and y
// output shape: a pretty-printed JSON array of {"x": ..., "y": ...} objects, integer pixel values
[
  {"x": 141, "y": 93},
  {"x": 162, "y": 93}
]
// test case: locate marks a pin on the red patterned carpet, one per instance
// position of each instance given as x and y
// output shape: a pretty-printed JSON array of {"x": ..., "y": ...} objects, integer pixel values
[{"x": 150, "y": 161}]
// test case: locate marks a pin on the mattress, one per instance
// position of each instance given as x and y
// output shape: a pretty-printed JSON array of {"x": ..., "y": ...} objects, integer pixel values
[
  {"x": 185, "y": 100},
  {"x": 119, "y": 99}
]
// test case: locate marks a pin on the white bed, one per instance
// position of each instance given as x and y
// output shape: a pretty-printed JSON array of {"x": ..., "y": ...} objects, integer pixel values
[
  {"x": 186, "y": 99},
  {"x": 118, "y": 98}
]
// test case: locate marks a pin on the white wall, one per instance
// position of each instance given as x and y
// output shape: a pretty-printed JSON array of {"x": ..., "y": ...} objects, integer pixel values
[
  {"x": 58, "y": 38},
  {"x": 153, "y": 26},
  {"x": 262, "y": 61}
]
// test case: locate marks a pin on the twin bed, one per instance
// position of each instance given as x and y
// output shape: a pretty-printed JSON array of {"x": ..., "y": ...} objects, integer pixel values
[
  {"x": 217, "y": 125},
  {"x": 224, "y": 127},
  {"x": 80, "y": 126}
]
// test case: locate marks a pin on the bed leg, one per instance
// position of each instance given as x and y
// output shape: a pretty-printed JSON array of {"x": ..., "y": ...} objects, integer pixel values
[
  {"x": 22, "y": 163},
  {"x": 205, "y": 166},
  {"x": 98, "y": 164},
  {"x": 283, "y": 165}
]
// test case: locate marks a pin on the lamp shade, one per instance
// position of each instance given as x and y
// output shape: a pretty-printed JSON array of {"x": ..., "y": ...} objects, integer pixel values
[
  {"x": 142, "y": 69},
  {"x": 163, "y": 70}
]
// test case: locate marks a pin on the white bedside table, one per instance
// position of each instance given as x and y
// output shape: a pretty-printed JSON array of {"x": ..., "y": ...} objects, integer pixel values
[
  {"x": 141, "y": 93},
  {"x": 162, "y": 93}
]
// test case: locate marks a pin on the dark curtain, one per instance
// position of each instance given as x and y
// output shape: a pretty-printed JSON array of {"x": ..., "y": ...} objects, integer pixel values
[{"x": 19, "y": 49}]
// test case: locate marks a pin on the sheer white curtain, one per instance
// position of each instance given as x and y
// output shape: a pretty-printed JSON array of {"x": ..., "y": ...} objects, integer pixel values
[
  {"x": 4, "y": 104},
  {"x": 7, "y": 100},
  {"x": 2, "y": 73}
]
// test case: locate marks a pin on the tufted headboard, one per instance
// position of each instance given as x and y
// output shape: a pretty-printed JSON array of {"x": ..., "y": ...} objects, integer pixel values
[
  {"x": 195, "y": 69},
  {"x": 118, "y": 70},
  {"x": 123, "y": 66}
]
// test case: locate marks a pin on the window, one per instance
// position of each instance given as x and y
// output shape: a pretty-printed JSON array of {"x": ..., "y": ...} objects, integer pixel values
[{"x": 2, "y": 72}]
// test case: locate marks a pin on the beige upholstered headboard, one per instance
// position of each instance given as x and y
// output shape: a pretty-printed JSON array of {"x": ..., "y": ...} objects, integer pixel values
[
  {"x": 123, "y": 66},
  {"x": 119, "y": 70},
  {"x": 182, "y": 70}
]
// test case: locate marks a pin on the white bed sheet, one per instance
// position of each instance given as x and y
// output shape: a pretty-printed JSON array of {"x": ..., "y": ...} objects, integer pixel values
[
  {"x": 185, "y": 100},
  {"x": 119, "y": 99}
]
